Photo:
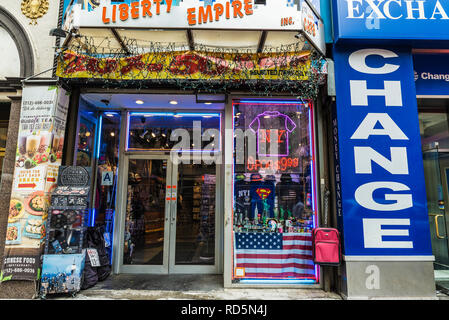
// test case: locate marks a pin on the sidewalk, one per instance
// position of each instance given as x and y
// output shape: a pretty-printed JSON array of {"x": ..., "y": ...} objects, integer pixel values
[{"x": 187, "y": 287}]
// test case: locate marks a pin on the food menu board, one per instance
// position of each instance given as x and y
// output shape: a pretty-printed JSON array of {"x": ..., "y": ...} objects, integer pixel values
[{"x": 38, "y": 157}]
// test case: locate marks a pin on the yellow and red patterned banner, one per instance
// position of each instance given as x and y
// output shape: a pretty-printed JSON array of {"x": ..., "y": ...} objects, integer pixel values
[{"x": 188, "y": 65}]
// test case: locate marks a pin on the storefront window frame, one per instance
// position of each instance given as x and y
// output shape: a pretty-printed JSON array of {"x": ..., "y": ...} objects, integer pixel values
[
  {"x": 117, "y": 255},
  {"x": 214, "y": 113},
  {"x": 228, "y": 208}
]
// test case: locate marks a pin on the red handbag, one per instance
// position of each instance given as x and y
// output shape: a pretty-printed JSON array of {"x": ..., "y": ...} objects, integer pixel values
[{"x": 326, "y": 246}]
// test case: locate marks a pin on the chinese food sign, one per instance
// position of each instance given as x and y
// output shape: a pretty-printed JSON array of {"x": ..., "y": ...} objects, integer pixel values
[{"x": 38, "y": 156}]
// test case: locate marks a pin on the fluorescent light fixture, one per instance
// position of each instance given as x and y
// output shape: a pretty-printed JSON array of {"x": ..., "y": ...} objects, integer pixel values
[
  {"x": 139, "y": 101},
  {"x": 149, "y": 114},
  {"x": 173, "y": 102},
  {"x": 208, "y": 103},
  {"x": 193, "y": 114}
]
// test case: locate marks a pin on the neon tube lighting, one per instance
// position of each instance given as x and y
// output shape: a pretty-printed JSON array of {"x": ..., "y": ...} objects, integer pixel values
[
  {"x": 269, "y": 101},
  {"x": 280, "y": 281},
  {"x": 152, "y": 114},
  {"x": 99, "y": 135}
]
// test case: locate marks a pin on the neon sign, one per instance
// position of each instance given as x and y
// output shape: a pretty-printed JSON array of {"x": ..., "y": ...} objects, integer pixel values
[{"x": 276, "y": 138}]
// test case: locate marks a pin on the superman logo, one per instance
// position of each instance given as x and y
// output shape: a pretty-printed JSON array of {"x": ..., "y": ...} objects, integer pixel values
[{"x": 263, "y": 193}]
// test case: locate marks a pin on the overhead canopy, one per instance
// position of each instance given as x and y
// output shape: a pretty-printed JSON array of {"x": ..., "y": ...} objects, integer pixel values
[{"x": 246, "y": 25}]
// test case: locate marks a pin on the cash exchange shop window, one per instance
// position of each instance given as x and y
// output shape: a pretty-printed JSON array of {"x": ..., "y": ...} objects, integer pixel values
[{"x": 274, "y": 194}]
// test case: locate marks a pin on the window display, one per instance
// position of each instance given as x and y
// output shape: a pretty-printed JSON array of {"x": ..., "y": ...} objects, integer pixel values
[
  {"x": 160, "y": 131},
  {"x": 274, "y": 195}
]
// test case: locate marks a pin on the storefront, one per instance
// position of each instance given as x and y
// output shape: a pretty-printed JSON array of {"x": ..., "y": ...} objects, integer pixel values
[
  {"x": 431, "y": 80},
  {"x": 389, "y": 73},
  {"x": 201, "y": 135}
]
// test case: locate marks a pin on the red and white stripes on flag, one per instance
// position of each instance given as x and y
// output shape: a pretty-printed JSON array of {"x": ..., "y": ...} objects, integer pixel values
[{"x": 276, "y": 256}]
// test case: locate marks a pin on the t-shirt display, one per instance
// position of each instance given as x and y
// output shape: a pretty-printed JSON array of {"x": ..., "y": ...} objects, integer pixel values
[{"x": 274, "y": 200}]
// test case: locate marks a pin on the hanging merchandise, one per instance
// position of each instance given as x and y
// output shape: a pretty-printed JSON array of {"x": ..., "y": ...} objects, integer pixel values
[
  {"x": 326, "y": 246},
  {"x": 97, "y": 266},
  {"x": 64, "y": 257}
]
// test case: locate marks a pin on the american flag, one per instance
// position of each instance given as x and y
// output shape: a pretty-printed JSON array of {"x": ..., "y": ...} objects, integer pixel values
[{"x": 275, "y": 255}]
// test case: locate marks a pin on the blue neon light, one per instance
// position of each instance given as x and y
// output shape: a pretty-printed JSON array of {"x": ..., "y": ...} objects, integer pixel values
[{"x": 99, "y": 136}]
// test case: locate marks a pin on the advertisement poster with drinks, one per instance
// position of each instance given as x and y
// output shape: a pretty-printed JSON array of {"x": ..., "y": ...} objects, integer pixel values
[{"x": 38, "y": 157}]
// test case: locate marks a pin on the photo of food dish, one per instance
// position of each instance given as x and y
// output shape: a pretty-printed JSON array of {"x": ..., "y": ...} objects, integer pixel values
[
  {"x": 33, "y": 228},
  {"x": 16, "y": 210},
  {"x": 13, "y": 234},
  {"x": 36, "y": 203}
]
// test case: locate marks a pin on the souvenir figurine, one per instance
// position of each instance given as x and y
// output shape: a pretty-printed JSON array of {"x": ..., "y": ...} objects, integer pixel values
[{"x": 272, "y": 224}]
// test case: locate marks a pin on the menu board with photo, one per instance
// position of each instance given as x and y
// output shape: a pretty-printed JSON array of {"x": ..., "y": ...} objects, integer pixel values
[{"x": 38, "y": 157}]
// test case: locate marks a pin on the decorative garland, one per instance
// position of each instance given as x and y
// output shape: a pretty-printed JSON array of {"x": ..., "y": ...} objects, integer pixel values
[{"x": 284, "y": 83}]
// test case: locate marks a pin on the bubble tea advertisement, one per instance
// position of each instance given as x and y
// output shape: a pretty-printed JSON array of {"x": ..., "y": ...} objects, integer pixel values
[{"x": 38, "y": 157}]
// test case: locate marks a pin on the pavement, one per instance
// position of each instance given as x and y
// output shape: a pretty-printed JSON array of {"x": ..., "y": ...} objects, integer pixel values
[
  {"x": 187, "y": 287},
  {"x": 194, "y": 287}
]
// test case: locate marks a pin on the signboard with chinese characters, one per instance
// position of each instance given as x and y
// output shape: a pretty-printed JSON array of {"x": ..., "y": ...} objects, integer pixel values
[{"x": 39, "y": 151}]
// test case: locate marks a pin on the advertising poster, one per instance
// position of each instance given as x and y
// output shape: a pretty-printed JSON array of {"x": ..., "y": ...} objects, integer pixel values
[{"x": 38, "y": 157}]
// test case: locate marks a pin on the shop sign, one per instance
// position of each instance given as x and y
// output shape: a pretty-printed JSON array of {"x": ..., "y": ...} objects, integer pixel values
[
  {"x": 107, "y": 178},
  {"x": 74, "y": 176},
  {"x": 381, "y": 196},
  {"x": 431, "y": 74},
  {"x": 218, "y": 14},
  {"x": 313, "y": 27},
  {"x": 188, "y": 65},
  {"x": 38, "y": 156},
  {"x": 391, "y": 20}
]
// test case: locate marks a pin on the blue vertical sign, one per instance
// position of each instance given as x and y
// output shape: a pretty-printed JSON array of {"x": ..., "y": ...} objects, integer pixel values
[{"x": 381, "y": 195}]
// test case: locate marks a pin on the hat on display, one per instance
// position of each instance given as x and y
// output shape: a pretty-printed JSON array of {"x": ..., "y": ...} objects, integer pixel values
[
  {"x": 286, "y": 177},
  {"x": 270, "y": 177},
  {"x": 239, "y": 176},
  {"x": 256, "y": 177}
]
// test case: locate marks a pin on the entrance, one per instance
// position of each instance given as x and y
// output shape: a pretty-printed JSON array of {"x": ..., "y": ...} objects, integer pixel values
[
  {"x": 434, "y": 125},
  {"x": 170, "y": 216}
]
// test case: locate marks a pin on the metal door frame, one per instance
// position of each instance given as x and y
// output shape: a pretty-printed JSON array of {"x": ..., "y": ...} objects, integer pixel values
[
  {"x": 119, "y": 219},
  {"x": 192, "y": 269},
  {"x": 159, "y": 269}
]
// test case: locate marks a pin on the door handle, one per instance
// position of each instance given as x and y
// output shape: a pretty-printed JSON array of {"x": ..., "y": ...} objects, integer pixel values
[{"x": 437, "y": 230}]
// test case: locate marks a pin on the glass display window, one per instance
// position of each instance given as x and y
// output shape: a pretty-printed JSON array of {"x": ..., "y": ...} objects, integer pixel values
[
  {"x": 274, "y": 209},
  {"x": 189, "y": 131}
]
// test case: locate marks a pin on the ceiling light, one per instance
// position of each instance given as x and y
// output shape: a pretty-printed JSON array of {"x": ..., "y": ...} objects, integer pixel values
[
  {"x": 109, "y": 115},
  {"x": 173, "y": 102},
  {"x": 139, "y": 101},
  {"x": 207, "y": 103}
]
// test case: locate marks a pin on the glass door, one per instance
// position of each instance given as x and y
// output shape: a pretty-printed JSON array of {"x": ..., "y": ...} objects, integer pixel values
[
  {"x": 435, "y": 204},
  {"x": 169, "y": 216},
  {"x": 147, "y": 212},
  {"x": 193, "y": 228}
]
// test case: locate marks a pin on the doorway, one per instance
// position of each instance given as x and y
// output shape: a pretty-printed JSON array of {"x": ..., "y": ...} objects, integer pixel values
[
  {"x": 434, "y": 127},
  {"x": 171, "y": 216}
]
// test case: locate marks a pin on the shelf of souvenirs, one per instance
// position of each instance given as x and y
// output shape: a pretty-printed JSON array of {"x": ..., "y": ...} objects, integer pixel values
[{"x": 267, "y": 225}]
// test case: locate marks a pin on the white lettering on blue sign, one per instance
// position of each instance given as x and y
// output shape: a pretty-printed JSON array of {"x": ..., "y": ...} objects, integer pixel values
[
  {"x": 363, "y": 156},
  {"x": 380, "y": 190},
  {"x": 413, "y": 9}
]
